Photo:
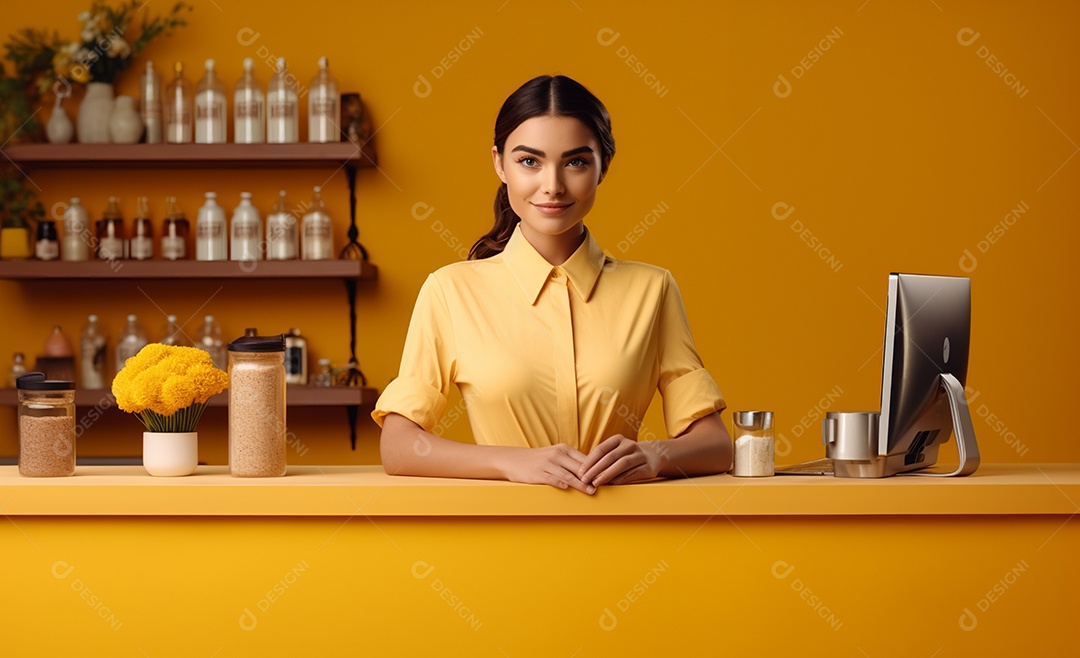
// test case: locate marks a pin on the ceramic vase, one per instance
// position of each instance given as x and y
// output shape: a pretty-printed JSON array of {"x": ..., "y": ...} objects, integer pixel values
[
  {"x": 125, "y": 124},
  {"x": 170, "y": 454},
  {"x": 94, "y": 113},
  {"x": 59, "y": 129}
]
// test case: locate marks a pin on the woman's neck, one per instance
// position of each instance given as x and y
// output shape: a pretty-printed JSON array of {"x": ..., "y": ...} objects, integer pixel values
[{"x": 556, "y": 249}]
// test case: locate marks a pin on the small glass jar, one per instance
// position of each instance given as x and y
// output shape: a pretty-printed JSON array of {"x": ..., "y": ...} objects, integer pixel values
[
  {"x": 46, "y": 426},
  {"x": 47, "y": 245},
  {"x": 325, "y": 377},
  {"x": 754, "y": 444},
  {"x": 257, "y": 406}
]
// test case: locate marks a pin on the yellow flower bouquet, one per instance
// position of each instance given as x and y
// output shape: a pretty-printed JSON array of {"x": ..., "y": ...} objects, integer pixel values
[{"x": 167, "y": 386}]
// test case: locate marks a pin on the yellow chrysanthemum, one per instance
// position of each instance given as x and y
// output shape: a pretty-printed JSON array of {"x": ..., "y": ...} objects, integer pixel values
[{"x": 162, "y": 380}]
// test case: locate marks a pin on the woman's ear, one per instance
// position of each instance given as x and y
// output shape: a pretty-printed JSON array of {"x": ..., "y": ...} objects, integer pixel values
[
  {"x": 604, "y": 170},
  {"x": 496, "y": 159}
]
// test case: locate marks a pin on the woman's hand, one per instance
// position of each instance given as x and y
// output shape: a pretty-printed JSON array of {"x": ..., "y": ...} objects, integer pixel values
[
  {"x": 556, "y": 465},
  {"x": 619, "y": 460}
]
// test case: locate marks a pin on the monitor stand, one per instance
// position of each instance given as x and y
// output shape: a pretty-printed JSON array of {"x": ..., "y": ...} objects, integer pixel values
[{"x": 963, "y": 429}]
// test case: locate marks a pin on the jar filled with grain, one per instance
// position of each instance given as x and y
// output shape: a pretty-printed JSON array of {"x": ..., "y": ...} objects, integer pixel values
[
  {"x": 257, "y": 406},
  {"x": 46, "y": 426},
  {"x": 754, "y": 445}
]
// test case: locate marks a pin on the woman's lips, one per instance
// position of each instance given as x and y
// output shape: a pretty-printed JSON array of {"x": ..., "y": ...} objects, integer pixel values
[{"x": 552, "y": 209}]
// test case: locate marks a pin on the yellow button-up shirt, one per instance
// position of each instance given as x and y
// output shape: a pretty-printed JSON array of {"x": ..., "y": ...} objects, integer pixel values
[{"x": 549, "y": 354}]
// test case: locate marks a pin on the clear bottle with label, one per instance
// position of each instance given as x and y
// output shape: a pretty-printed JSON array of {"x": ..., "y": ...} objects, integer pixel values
[
  {"x": 131, "y": 340},
  {"x": 209, "y": 339},
  {"x": 93, "y": 345},
  {"x": 178, "y": 111},
  {"x": 249, "y": 108},
  {"x": 210, "y": 119},
  {"x": 323, "y": 106},
  {"x": 47, "y": 243},
  {"x": 141, "y": 246},
  {"x": 46, "y": 426},
  {"x": 282, "y": 232},
  {"x": 211, "y": 234},
  {"x": 174, "y": 232},
  {"x": 18, "y": 368},
  {"x": 318, "y": 235},
  {"x": 150, "y": 104},
  {"x": 282, "y": 107},
  {"x": 257, "y": 406},
  {"x": 246, "y": 231},
  {"x": 173, "y": 334},
  {"x": 296, "y": 367},
  {"x": 112, "y": 244},
  {"x": 76, "y": 243}
]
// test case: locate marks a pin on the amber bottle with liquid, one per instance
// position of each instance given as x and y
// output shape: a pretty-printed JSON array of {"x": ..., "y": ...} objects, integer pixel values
[{"x": 174, "y": 232}]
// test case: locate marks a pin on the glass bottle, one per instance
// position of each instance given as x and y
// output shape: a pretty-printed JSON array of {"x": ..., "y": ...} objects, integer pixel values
[
  {"x": 296, "y": 371},
  {"x": 246, "y": 228},
  {"x": 282, "y": 108},
  {"x": 172, "y": 334},
  {"x": 142, "y": 238},
  {"x": 249, "y": 126},
  {"x": 318, "y": 238},
  {"x": 150, "y": 104},
  {"x": 174, "y": 232},
  {"x": 210, "y": 340},
  {"x": 46, "y": 426},
  {"x": 76, "y": 245},
  {"x": 210, "y": 108},
  {"x": 211, "y": 237},
  {"x": 257, "y": 406},
  {"x": 178, "y": 125},
  {"x": 47, "y": 244},
  {"x": 110, "y": 233},
  {"x": 93, "y": 345},
  {"x": 282, "y": 234},
  {"x": 323, "y": 106},
  {"x": 325, "y": 377},
  {"x": 18, "y": 368},
  {"x": 131, "y": 340}
]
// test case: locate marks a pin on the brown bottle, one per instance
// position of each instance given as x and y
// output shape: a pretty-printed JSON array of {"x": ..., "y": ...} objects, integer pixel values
[
  {"x": 142, "y": 239},
  {"x": 174, "y": 233},
  {"x": 111, "y": 244}
]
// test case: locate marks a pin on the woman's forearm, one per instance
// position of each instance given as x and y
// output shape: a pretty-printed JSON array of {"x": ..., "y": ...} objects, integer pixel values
[
  {"x": 703, "y": 449},
  {"x": 408, "y": 450}
]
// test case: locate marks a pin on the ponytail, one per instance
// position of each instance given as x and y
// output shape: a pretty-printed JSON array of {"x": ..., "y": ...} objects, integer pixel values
[{"x": 505, "y": 221}]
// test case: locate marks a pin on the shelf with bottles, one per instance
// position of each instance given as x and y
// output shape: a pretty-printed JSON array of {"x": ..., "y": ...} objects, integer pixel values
[
  {"x": 192, "y": 156},
  {"x": 27, "y": 270},
  {"x": 295, "y": 395}
]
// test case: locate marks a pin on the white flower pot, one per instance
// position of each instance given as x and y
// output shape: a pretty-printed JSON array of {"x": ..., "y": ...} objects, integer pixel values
[
  {"x": 92, "y": 123},
  {"x": 170, "y": 454}
]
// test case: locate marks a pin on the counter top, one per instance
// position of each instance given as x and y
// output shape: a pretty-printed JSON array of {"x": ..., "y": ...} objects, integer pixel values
[{"x": 1033, "y": 489}]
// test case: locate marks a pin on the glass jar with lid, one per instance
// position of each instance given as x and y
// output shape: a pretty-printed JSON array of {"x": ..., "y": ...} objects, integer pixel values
[
  {"x": 46, "y": 426},
  {"x": 257, "y": 406},
  {"x": 754, "y": 445}
]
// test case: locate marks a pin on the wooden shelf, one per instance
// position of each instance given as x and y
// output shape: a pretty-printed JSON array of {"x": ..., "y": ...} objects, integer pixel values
[
  {"x": 191, "y": 156},
  {"x": 188, "y": 269},
  {"x": 296, "y": 396}
]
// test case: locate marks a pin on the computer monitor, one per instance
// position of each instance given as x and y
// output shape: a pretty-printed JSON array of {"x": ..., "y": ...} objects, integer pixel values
[{"x": 924, "y": 370}]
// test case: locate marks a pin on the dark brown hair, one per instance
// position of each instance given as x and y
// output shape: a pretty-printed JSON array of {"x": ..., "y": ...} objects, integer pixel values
[{"x": 546, "y": 95}]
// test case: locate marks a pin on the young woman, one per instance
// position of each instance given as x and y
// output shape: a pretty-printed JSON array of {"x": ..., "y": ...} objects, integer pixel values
[{"x": 556, "y": 348}]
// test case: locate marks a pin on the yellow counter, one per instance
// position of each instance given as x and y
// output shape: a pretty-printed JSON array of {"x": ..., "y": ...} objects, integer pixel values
[{"x": 349, "y": 561}]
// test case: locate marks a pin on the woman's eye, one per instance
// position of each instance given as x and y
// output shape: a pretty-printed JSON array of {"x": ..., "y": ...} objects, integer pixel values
[
  {"x": 579, "y": 162},
  {"x": 528, "y": 162}
]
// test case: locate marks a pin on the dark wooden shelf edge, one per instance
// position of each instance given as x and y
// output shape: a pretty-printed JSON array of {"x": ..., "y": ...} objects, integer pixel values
[
  {"x": 188, "y": 269},
  {"x": 296, "y": 396},
  {"x": 190, "y": 156}
]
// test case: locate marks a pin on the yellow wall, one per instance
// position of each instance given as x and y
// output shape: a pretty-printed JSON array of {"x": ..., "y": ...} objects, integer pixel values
[{"x": 894, "y": 146}]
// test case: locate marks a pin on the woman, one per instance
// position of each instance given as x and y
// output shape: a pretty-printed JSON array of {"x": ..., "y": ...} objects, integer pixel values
[{"x": 557, "y": 349}]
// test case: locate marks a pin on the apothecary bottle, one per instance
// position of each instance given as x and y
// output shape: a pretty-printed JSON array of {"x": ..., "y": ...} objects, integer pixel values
[
  {"x": 142, "y": 237},
  {"x": 46, "y": 426},
  {"x": 323, "y": 106},
  {"x": 249, "y": 124},
  {"x": 282, "y": 107},
  {"x": 296, "y": 359},
  {"x": 245, "y": 237},
  {"x": 257, "y": 406},
  {"x": 211, "y": 234},
  {"x": 178, "y": 114},
  {"x": 150, "y": 104},
  {"x": 210, "y": 108},
  {"x": 76, "y": 243},
  {"x": 47, "y": 242},
  {"x": 111, "y": 243},
  {"x": 318, "y": 237},
  {"x": 282, "y": 232},
  {"x": 131, "y": 340},
  {"x": 174, "y": 232}
]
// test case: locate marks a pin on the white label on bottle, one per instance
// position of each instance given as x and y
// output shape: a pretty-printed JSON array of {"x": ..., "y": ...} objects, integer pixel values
[
  {"x": 173, "y": 247},
  {"x": 142, "y": 248},
  {"x": 110, "y": 248},
  {"x": 47, "y": 249}
]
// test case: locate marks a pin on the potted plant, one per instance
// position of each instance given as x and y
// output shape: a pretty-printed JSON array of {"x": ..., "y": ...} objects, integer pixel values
[
  {"x": 167, "y": 387},
  {"x": 18, "y": 207}
]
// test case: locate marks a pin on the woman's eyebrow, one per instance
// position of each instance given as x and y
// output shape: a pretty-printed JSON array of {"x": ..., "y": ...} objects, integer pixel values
[{"x": 540, "y": 154}]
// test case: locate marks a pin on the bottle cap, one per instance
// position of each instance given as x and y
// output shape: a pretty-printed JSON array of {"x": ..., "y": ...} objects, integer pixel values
[
  {"x": 209, "y": 65},
  {"x": 249, "y": 64},
  {"x": 92, "y": 318},
  {"x": 35, "y": 381},
  {"x": 258, "y": 344},
  {"x": 753, "y": 420},
  {"x": 323, "y": 62},
  {"x": 211, "y": 195}
]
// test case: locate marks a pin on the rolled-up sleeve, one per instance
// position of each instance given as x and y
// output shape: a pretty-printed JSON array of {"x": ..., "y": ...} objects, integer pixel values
[
  {"x": 687, "y": 389},
  {"x": 428, "y": 360}
]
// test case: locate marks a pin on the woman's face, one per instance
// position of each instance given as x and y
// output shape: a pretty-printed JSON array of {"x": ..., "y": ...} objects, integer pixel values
[{"x": 551, "y": 167}]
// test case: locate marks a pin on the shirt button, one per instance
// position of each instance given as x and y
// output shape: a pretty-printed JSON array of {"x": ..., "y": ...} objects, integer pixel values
[{"x": 555, "y": 274}]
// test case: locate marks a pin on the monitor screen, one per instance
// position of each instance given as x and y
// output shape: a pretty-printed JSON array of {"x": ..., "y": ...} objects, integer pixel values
[{"x": 927, "y": 332}]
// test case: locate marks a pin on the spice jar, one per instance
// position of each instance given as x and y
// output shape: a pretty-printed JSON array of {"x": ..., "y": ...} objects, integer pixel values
[
  {"x": 46, "y": 426},
  {"x": 754, "y": 444},
  {"x": 257, "y": 406}
]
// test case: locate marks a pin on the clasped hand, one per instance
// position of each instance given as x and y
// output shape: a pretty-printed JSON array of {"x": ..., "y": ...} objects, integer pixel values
[{"x": 617, "y": 460}]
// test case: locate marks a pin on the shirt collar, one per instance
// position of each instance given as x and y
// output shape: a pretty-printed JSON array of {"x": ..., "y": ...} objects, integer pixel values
[{"x": 531, "y": 271}]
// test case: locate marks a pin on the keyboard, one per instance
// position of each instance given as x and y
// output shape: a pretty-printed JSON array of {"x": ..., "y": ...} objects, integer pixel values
[{"x": 815, "y": 467}]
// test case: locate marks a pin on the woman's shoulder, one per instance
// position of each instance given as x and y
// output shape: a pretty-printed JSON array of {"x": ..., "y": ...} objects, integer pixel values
[{"x": 636, "y": 270}]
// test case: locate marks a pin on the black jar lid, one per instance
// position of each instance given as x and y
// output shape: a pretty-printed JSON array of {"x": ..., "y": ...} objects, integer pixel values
[
  {"x": 258, "y": 344},
  {"x": 35, "y": 381}
]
